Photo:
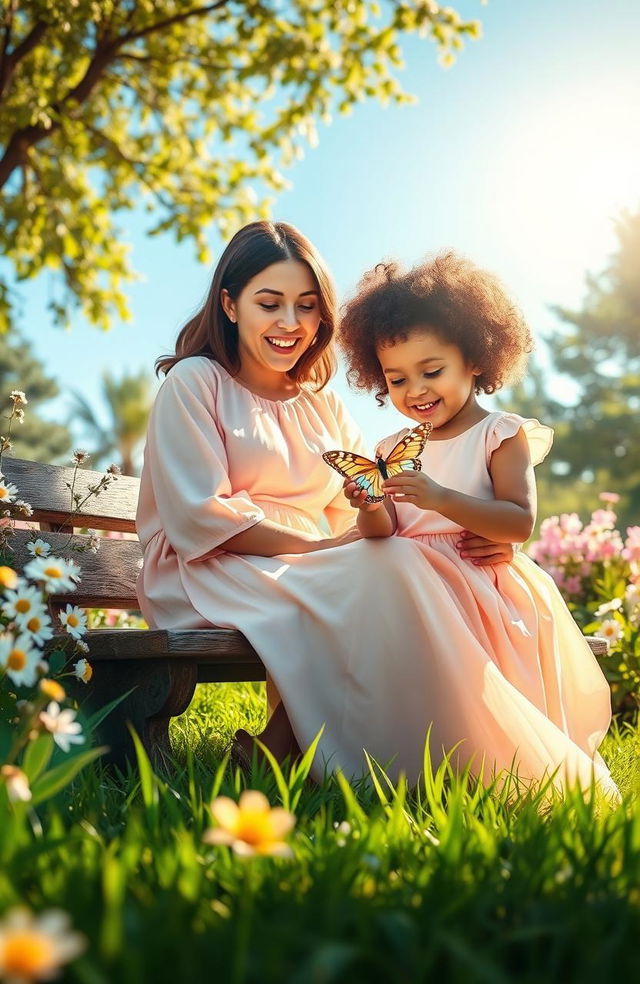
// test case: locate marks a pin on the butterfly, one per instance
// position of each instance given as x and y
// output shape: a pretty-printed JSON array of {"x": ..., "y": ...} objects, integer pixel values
[{"x": 369, "y": 475}]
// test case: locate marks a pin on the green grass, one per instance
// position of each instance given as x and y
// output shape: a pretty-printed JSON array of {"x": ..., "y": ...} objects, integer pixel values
[{"x": 449, "y": 882}]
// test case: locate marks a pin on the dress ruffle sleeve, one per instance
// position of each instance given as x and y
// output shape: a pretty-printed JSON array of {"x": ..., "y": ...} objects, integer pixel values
[
  {"x": 539, "y": 436},
  {"x": 339, "y": 514},
  {"x": 198, "y": 508}
]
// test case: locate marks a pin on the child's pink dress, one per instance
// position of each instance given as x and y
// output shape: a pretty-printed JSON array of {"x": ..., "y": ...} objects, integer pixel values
[{"x": 375, "y": 640}]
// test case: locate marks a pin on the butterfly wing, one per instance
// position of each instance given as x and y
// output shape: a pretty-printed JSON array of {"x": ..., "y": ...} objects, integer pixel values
[
  {"x": 358, "y": 469},
  {"x": 405, "y": 456}
]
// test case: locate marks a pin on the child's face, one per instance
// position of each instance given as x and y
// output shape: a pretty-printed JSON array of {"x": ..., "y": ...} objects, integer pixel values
[
  {"x": 428, "y": 379},
  {"x": 278, "y": 315}
]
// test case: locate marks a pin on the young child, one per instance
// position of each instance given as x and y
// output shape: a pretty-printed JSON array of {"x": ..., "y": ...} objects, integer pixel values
[{"x": 531, "y": 693}]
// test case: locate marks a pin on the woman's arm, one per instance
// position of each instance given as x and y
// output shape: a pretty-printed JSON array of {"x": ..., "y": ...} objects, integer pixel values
[
  {"x": 268, "y": 539},
  {"x": 509, "y": 518}
]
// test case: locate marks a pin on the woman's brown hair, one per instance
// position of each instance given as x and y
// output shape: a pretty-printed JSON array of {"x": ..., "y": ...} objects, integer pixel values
[{"x": 253, "y": 248}]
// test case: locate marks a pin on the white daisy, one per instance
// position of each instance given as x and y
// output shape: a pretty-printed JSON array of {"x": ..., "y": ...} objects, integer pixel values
[
  {"x": 65, "y": 730},
  {"x": 39, "y": 548},
  {"x": 608, "y": 606},
  {"x": 16, "y": 782},
  {"x": 23, "y": 602},
  {"x": 74, "y": 620},
  {"x": 83, "y": 670},
  {"x": 19, "y": 658},
  {"x": 39, "y": 627},
  {"x": 610, "y": 629},
  {"x": 7, "y": 492},
  {"x": 57, "y": 574}
]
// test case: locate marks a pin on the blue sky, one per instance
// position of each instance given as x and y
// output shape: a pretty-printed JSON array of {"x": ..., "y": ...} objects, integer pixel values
[{"x": 519, "y": 156}]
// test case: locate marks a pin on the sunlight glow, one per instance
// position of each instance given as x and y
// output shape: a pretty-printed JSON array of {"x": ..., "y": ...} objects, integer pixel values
[{"x": 569, "y": 166}]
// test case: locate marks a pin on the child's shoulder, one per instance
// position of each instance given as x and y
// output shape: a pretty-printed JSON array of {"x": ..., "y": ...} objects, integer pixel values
[{"x": 501, "y": 425}]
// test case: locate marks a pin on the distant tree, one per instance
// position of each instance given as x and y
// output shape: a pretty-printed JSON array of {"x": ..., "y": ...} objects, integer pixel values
[
  {"x": 596, "y": 445},
  {"x": 36, "y": 438},
  {"x": 128, "y": 402},
  {"x": 600, "y": 350},
  {"x": 188, "y": 108}
]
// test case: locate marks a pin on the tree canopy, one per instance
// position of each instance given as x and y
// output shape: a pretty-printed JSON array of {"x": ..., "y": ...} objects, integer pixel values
[{"x": 190, "y": 109}]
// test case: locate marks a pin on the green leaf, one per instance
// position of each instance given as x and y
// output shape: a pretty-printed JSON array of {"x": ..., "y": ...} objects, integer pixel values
[
  {"x": 37, "y": 756},
  {"x": 57, "y": 778}
]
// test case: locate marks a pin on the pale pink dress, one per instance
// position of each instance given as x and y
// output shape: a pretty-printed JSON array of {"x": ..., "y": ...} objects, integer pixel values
[{"x": 376, "y": 640}]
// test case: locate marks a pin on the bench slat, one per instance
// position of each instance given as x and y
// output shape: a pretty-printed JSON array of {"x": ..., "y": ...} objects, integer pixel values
[
  {"x": 108, "y": 577},
  {"x": 43, "y": 486},
  {"x": 207, "y": 646}
]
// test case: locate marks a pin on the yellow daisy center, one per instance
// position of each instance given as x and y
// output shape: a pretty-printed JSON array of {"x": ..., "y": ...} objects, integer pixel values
[
  {"x": 23, "y": 605},
  {"x": 34, "y": 624},
  {"x": 27, "y": 954},
  {"x": 73, "y": 620},
  {"x": 17, "y": 659},
  {"x": 3, "y": 492},
  {"x": 52, "y": 571}
]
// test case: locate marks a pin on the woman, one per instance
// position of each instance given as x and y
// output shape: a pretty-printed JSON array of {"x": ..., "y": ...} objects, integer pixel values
[{"x": 232, "y": 490}]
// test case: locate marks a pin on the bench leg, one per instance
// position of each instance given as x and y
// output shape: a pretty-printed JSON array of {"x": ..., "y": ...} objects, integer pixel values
[{"x": 163, "y": 689}]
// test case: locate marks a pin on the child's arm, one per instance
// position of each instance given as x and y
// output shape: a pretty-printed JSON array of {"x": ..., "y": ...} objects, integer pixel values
[
  {"x": 509, "y": 518},
  {"x": 375, "y": 519}
]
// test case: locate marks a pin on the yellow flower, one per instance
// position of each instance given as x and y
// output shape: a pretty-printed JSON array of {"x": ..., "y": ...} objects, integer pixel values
[
  {"x": 52, "y": 689},
  {"x": 251, "y": 826},
  {"x": 33, "y": 948},
  {"x": 8, "y": 577}
]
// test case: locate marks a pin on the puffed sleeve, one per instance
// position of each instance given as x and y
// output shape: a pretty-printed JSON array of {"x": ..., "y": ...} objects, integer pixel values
[
  {"x": 186, "y": 462},
  {"x": 339, "y": 514},
  {"x": 539, "y": 436}
]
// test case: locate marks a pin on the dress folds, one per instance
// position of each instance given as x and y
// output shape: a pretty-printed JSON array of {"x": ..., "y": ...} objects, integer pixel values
[{"x": 375, "y": 641}]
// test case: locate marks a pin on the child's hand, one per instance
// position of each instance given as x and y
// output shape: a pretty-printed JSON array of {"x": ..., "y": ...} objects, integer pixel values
[
  {"x": 416, "y": 488},
  {"x": 356, "y": 497}
]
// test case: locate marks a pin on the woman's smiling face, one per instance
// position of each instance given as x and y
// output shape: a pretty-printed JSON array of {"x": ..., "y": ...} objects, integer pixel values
[
  {"x": 278, "y": 315},
  {"x": 428, "y": 379}
]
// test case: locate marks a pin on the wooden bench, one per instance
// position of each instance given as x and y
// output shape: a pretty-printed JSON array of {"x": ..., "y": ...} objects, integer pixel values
[{"x": 163, "y": 666}]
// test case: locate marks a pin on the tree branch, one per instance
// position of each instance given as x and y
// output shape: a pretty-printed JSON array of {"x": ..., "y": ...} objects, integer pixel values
[
  {"x": 169, "y": 21},
  {"x": 10, "y": 62},
  {"x": 22, "y": 140}
]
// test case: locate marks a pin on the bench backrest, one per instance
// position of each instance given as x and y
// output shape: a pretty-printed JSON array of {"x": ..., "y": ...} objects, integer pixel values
[{"x": 108, "y": 576}]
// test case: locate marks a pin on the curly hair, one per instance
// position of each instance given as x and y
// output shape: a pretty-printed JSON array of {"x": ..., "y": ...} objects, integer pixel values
[{"x": 460, "y": 303}]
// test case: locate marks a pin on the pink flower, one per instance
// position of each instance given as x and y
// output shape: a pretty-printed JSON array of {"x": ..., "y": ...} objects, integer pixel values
[
  {"x": 603, "y": 519},
  {"x": 631, "y": 550},
  {"x": 573, "y": 585},
  {"x": 612, "y": 497}
]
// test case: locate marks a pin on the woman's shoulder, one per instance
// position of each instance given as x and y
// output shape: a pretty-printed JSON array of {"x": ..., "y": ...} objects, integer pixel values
[{"x": 195, "y": 367}]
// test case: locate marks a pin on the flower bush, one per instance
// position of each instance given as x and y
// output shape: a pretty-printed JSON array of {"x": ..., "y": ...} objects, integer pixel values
[{"x": 597, "y": 569}]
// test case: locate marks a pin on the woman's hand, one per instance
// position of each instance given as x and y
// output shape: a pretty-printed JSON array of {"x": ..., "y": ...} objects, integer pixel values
[
  {"x": 356, "y": 497},
  {"x": 483, "y": 552}
]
